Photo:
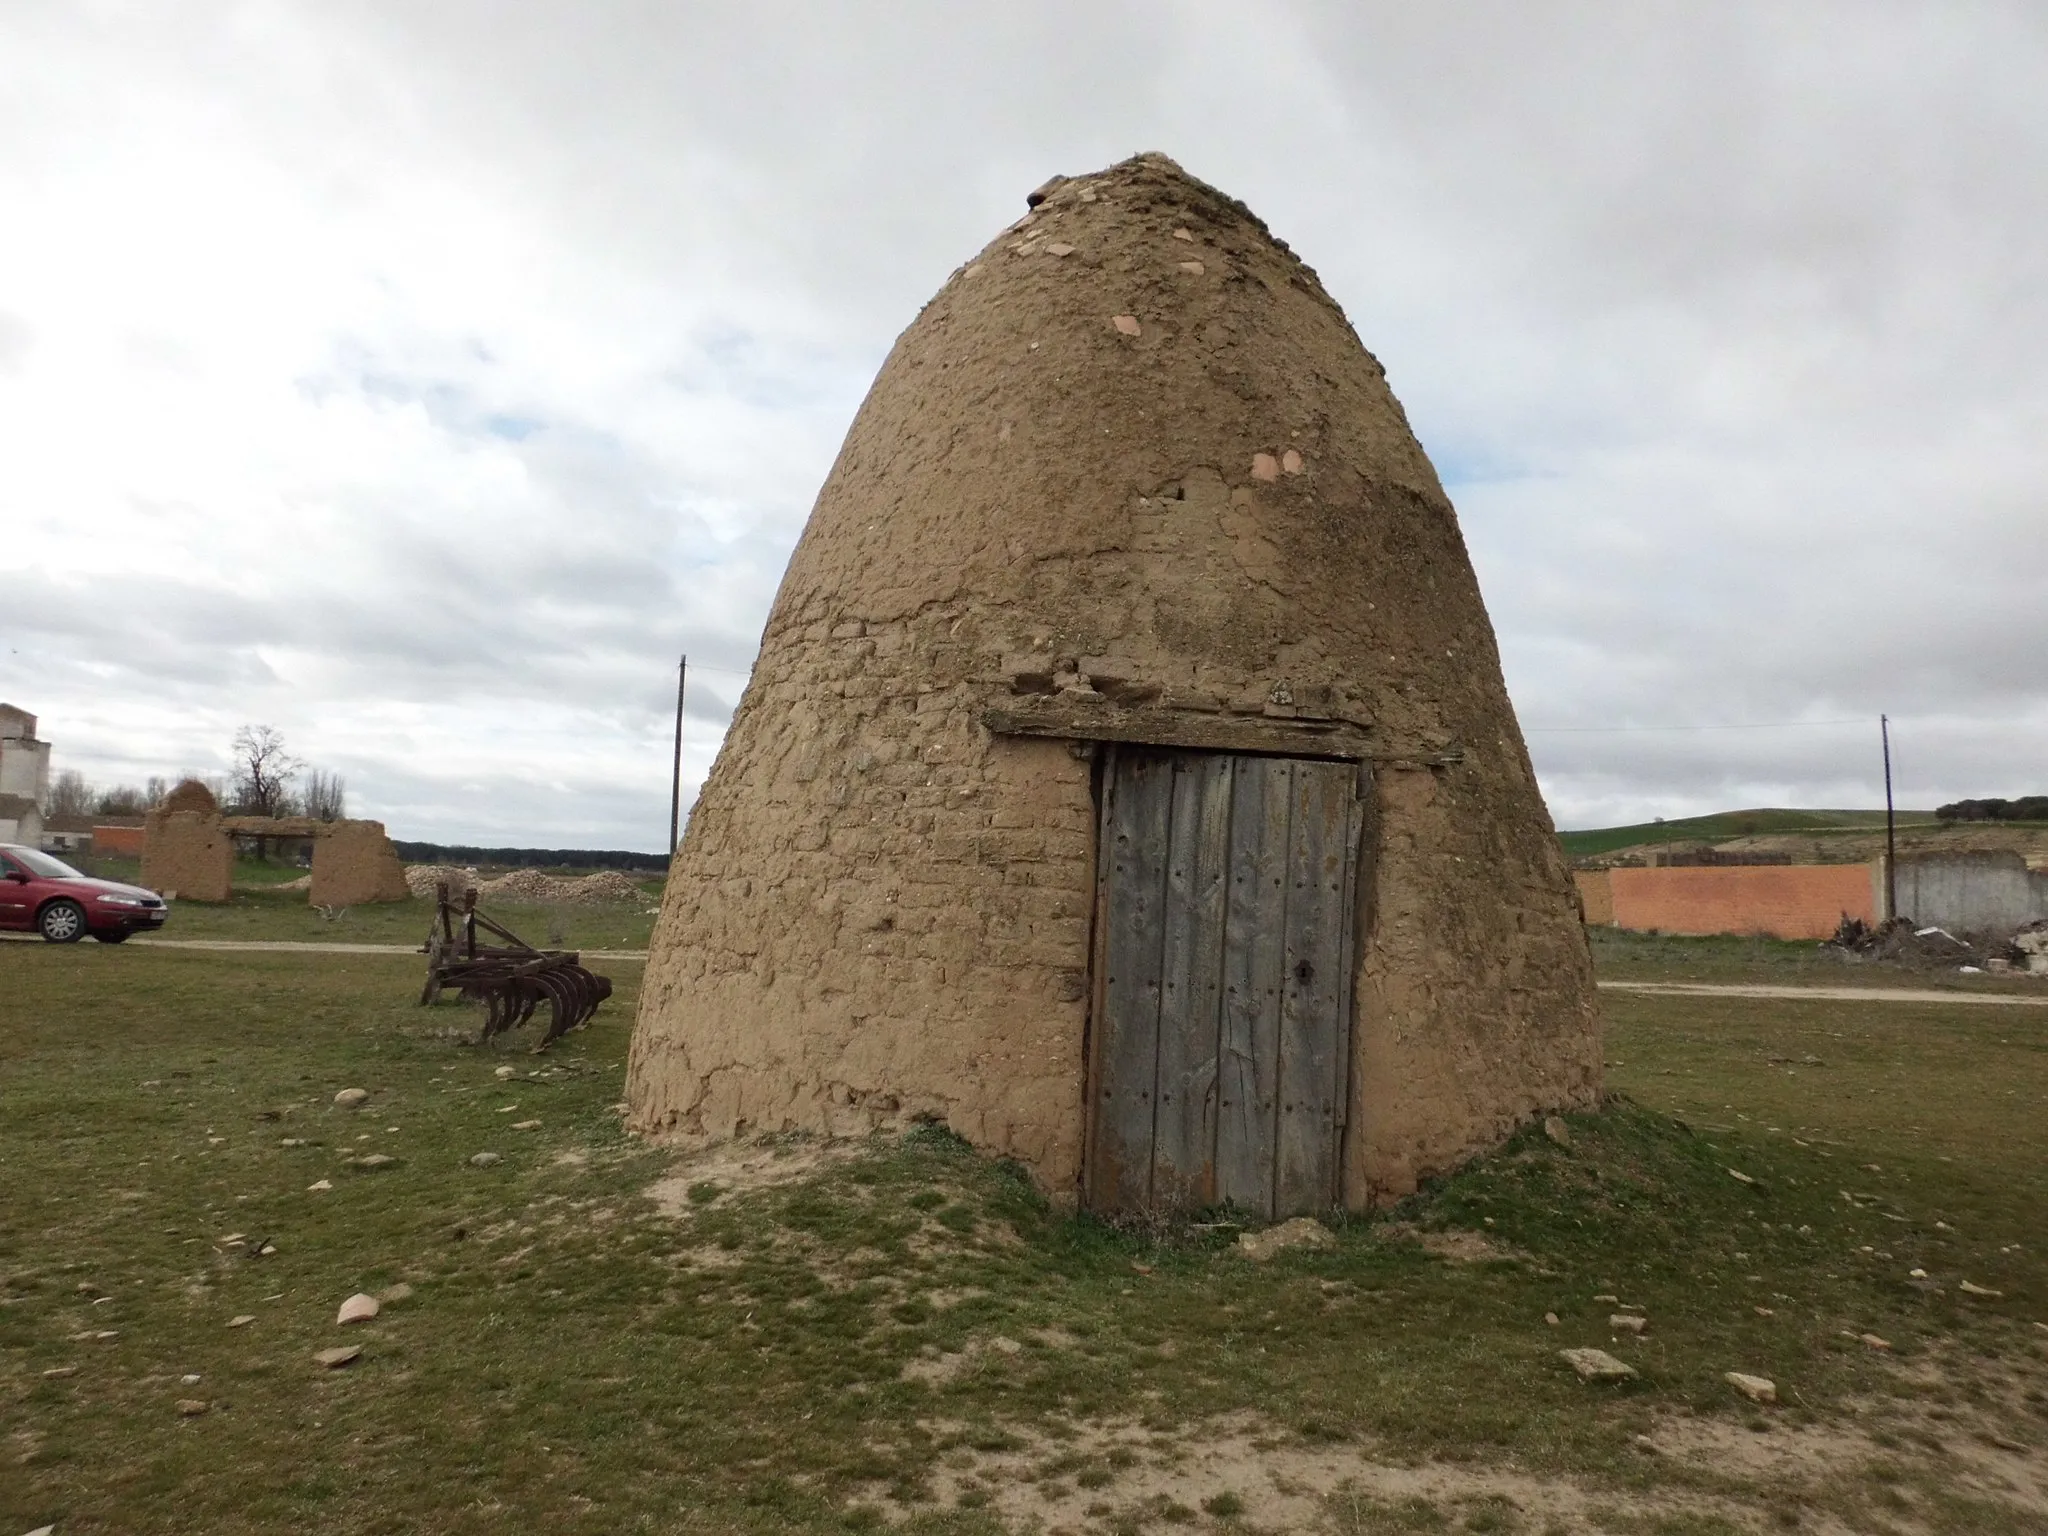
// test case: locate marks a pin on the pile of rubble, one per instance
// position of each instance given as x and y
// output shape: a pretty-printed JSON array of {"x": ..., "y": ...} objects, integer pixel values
[
  {"x": 2032, "y": 943},
  {"x": 527, "y": 885},
  {"x": 1900, "y": 942}
]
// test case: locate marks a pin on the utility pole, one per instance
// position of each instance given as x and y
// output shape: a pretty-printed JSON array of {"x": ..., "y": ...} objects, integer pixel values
[
  {"x": 675, "y": 793},
  {"x": 1891, "y": 835}
]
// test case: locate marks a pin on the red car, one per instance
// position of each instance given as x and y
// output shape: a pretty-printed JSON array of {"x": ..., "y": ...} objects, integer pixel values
[{"x": 47, "y": 896}]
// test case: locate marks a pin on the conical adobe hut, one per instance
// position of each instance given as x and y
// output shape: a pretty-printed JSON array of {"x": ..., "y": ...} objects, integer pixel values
[{"x": 1127, "y": 780}]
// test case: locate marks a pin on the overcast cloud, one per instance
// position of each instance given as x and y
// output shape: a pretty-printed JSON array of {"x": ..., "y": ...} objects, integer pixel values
[{"x": 421, "y": 377}]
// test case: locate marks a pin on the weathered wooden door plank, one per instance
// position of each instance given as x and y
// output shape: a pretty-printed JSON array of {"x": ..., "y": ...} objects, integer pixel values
[
  {"x": 1191, "y": 975},
  {"x": 1254, "y": 965},
  {"x": 1135, "y": 834},
  {"x": 1305, "y": 1177}
]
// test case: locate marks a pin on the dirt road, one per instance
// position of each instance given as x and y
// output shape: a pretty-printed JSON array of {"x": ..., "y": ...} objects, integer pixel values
[
  {"x": 295, "y": 946},
  {"x": 1821, "y": 994}
]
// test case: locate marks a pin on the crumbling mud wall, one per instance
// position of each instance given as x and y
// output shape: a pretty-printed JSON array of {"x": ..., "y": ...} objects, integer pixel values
[
  {"x": 1596, "y": 897},
  {"x": 1130, "y": 465},
  {"x": 185, "y": 852},
  {"x": 354, "y": 864}
]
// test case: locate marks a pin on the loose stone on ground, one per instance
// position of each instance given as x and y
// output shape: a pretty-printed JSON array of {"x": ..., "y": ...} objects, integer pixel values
[{"x": 1596, "y": 1365}]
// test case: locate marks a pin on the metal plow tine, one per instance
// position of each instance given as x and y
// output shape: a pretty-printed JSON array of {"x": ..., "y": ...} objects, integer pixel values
[
  {"x": 561, "y": 1006},
  {"x": 581, "y": 995},
  {"x": 592, "y": 989},
  {"x": 528, "y": 995},
  {"x": 494, "y": 1010}
]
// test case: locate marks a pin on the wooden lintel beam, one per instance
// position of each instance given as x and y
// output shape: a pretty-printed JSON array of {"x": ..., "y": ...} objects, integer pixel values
[{"x": 1062, "y": 716}]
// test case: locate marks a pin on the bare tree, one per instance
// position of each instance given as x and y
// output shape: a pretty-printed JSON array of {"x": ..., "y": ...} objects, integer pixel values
[
  {"x": 264, "y": 771},
  {"x": 324, "y": 796},
  {"x": 154, "y": 791},
  {"x": 122, "y": 800},
  {"x": 70, "y": 794}
]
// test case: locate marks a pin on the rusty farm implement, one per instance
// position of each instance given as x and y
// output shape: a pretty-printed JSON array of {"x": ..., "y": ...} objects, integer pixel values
[{"x": 510, "y": 978}]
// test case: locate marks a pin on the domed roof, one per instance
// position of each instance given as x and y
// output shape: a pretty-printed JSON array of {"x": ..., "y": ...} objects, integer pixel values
[{"x": 1136, "y": 427}]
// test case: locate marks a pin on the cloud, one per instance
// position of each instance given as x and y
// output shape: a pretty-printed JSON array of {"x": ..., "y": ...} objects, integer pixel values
[{"x": 423, "y": 379}]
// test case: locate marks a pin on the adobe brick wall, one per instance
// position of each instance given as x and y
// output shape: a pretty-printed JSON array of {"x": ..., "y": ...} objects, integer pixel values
[
  {"x": 186, "y": 854},
  {"x": 1596, "y": 896},
  {"x": 1782, "y": 901},
  {"x": 354, "y": 864}
]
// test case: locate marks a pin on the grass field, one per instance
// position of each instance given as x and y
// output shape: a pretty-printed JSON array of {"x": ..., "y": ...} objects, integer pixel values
[
  {"x": 258, "y": 910},
  {"x": 904, "y": 1333}
]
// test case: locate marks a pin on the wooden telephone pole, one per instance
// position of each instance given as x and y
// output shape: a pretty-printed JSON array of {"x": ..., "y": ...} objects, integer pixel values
[{"x": 1891, "y": 835}]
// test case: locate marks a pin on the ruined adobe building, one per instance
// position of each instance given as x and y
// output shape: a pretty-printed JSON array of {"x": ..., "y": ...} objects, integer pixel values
[
  {"x": 1127, "y": 778},
  {"x": 188, "y": 851}
]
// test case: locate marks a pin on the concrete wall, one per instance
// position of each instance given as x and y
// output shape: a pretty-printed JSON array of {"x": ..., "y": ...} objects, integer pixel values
[
  {"x": 22, "y": 824},
  {"x": 25, "y": 768},
  {"x": 1972, "y": 892},
  {"x": 1780, "y": 901}
]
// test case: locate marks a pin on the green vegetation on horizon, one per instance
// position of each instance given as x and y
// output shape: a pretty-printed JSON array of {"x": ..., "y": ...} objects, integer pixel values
[{"x": 1723, "y": 826}]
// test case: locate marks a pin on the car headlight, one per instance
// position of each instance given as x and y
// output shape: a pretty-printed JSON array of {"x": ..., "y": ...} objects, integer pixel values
[{"x": 120, "y": 901}]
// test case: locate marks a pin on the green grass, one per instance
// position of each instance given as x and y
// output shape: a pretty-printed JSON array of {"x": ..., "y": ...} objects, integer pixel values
[
  {"x": 1621, "y": 955},
  {"x": 1722, "y": 826},
  {"x": 257, "y": 910},
  {"x": 272, "y": 915},
  {"x": 574, "y": 1357}
]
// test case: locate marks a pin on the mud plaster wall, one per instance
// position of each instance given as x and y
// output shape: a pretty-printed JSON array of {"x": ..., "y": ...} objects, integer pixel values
[
  {"x": 186, "y": 854},
  {"x": 1596, "y": 896},
  {"x": 881, "y": 910},
  {"x": 354, "y": 864}
]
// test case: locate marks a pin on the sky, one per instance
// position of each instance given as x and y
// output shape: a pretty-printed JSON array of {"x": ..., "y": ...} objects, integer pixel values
[{"x": 423, "y": 377}]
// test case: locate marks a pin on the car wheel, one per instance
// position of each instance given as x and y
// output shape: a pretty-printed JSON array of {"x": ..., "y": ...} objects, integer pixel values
[
  {"x": 113, "y": 936},
  {"x": 62, "y": 922}
]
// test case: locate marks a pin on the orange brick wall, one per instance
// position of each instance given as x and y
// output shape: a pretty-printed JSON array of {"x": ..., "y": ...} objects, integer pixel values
[
  {"x": 124, "y": 841},
  {"x": 1784, "y": 901}
]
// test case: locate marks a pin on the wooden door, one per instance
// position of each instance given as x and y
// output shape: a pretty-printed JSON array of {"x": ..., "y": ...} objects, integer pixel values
[{"x": 1220, "y": 1048}]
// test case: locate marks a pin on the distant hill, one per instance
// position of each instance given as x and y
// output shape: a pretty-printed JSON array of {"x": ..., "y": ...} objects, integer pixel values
[{"x": 1724, "y": 826}]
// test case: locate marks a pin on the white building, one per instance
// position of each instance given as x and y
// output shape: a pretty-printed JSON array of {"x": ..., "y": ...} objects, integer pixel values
[
  {"x": 24, "y": 761},
  {"x": 20, "y": 821}
]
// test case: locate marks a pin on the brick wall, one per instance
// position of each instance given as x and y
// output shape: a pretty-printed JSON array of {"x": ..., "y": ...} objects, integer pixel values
[
  {"x": 1783, "y": 901},
  {"x": 123, "y": 842}
]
